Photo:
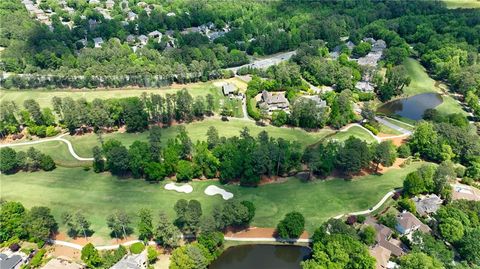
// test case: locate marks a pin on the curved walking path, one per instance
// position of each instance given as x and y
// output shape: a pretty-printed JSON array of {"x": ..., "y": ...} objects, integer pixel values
[
  {"x": 379, "y": 139},
  {"x": 228, "y": 238},
  {"x": 368, "y": 211},
  {"x": 58, "y": 138}
]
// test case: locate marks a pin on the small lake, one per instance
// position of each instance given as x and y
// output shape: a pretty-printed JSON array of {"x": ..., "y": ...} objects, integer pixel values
[
  {"x": 412, "y": 107},
  {"x": 261, "y": 257}
]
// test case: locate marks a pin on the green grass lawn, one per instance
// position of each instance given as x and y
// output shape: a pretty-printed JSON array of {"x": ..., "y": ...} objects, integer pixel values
[
  {"x": 452, "y": 4},
  {"x": 97, "y": 195},
  {"x": 44, "y": 97},
  {"x": 58, "y": 151},
  {"x": 387, "y": 130},
  {"x": 404, "y": 124},
  {"x": 354, "y": 131},
  {"x": 423, "y": 83},
  {"x": 197, "y": 131}
]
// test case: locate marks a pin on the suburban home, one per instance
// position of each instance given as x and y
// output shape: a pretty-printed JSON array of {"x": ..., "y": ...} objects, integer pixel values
[
  {"x": 109, "y": 4},
  {"x": 381, "y": 255},
  {"x": 385, "y": 244},
  {"x": 12, "y": 262},
  {"x": 427, "y": 205},
  {"x": 94, "y": 2},
  {"x": 320, "y": 103},
  {"x": 274, "y": 101},
  {"x": 98, "y": 41},
  {"x": 130, "y": 38},
  {"x": 135, "y": 261},
  {"x": 155, "y": 34},
  {"x": 131, "y": 16},
  {"x": 407, "y": 223},
  {"x": 143, "y": 40},
  {"x": 364, "y": 86},
  {"x": 228, "y": 89},
  {"x": 372, "y": 58}
]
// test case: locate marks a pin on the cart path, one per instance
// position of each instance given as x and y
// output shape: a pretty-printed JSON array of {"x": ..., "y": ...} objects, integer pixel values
[{"x": 58, "y": 138}]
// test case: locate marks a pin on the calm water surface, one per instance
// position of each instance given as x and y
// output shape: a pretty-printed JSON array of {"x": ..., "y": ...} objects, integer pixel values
[
  {"x": 262, "y": 257},
  {"x": 412, "y": 107}
]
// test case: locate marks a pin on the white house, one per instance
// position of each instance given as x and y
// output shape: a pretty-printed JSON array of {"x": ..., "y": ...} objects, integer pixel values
[{"x": 98, "y": 41}]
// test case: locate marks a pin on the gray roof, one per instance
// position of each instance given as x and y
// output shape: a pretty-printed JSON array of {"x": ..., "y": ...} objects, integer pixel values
[
  {"x": 228, "y": 88},
  {"x": 408, "y": 221},
  {"x": 137, "y": 261},
  {"x": 11, "y": 262},
  {"x": 428, "y": 204},
  {"x": 316, "y": 99}
]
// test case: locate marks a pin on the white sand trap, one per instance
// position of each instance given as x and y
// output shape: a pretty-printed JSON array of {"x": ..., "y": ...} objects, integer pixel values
[
  {"x": 212, "y": 190},
  {"x": 185, "y": 188}
]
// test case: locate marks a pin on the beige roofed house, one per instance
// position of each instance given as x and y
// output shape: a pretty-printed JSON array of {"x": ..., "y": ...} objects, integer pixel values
[
  {"x": 274, "y": 101},
  {"x": 135, "y": 261},
  {"x": 381, "y": 255},
  {"x": 407, "y": 223},
  {"x": 109, "y": 4}
]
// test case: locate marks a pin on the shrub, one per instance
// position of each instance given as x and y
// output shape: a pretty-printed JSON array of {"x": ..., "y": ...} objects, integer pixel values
[
  {"x": 460, "y": 170},
  {"x": 14, "y": 247},
  {"x": 47, "y": 163},
  {"x": 368, "y": 235},
  {"x": 37, "y": 258},
  {"x": 351, "y": 219},
  {"x": 407, "y": 204},
  {"x": 185, "y": 170},
  {"x": 279, "y": 118},
  {"x": 361, "y": 218},
  {"x": 371, "y": 128},
  {"x": 51, "y": 131},
  {"x": 404, "y": 151},
  {"x": 154, "y": 171},
  {"x": 8, "y": 163},
  {"x": 137, "y": 248},
  {"x": 152, "y": 254},
  {"x": 291, "y": 226}
]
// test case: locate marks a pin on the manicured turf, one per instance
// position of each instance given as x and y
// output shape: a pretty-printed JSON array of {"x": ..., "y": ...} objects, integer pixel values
[
  {"x": 97, "y": 195},
  {"x": 58, "y": 151},
  {"x": 353, "y": 131},
  {"x": 462, "y": 3},
  {"x": 387, "y": 130},
  {"x": 423, "y": 83},
  {"x": 197, "y": 131},
  {"x": 44, "y": 97}
]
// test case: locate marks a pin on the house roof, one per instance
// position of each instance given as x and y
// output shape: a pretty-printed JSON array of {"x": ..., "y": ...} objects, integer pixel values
[
  {"x": 272, "y": 99},
  {"x": 137, "y": 261},
  {"x": 228, "y": 88},
  {"x": 9, "y": 262},
  {"x": 155, "y": 33},
  {"x": 427, "y": 204},
  {"x": 316, "y": 99},
  {"x": 408, "y": 221},
  {"x": 381, "y": 255}
]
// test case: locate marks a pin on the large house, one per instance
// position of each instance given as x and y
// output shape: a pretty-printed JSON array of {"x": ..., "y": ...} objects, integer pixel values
[
  {"x": 274, "y": 101},
  {"x": 228, "y": 89},
  {"x": 407, "y": 223},
  {"x": 427, "y": 205},
  {"x": 12, "y": 262},
  {"x": 135, "y": 261}
]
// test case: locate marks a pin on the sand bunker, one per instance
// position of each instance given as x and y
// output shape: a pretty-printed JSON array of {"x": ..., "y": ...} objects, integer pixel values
[
  {"x": 212, "y": 190},
  {"x": 185, "y": 188}
]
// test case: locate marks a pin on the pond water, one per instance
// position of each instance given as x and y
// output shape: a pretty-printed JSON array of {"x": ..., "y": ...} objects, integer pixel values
[
  {"x": 412, "y": 107},
  {"x": 261, "y": 257}
]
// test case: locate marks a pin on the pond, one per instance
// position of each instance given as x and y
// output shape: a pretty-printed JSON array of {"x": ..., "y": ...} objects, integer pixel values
[
  {"x": 262, "y": 257},
  {"x": 412, "y": 107}
]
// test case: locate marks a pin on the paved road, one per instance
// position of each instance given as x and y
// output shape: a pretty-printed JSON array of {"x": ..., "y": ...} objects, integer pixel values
[
  {"x": 58, "y": 138},
  {"x": 268, "y": 61},
  {"x": 393, "y": 126}
]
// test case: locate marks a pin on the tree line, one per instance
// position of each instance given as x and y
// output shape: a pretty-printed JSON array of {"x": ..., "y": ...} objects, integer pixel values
[
  {"x": 242, "y": 158},
  {"x": 31, "y": 160},
  {"x": 104, "y": 115}
]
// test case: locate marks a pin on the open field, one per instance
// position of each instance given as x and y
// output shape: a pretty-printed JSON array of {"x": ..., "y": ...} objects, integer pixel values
[
  {"x": 353, "y": 131},
  {"x": 197, "y": 131},
  {"x": 98, "y": 195},
  {"x": 44, "y": 97},
  {"x": 462, "y": 3},
  {"x": 423, "y": 83}
]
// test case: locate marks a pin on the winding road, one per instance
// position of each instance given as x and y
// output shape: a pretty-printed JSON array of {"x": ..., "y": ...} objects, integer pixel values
[{"x": 58, "y": 138}]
